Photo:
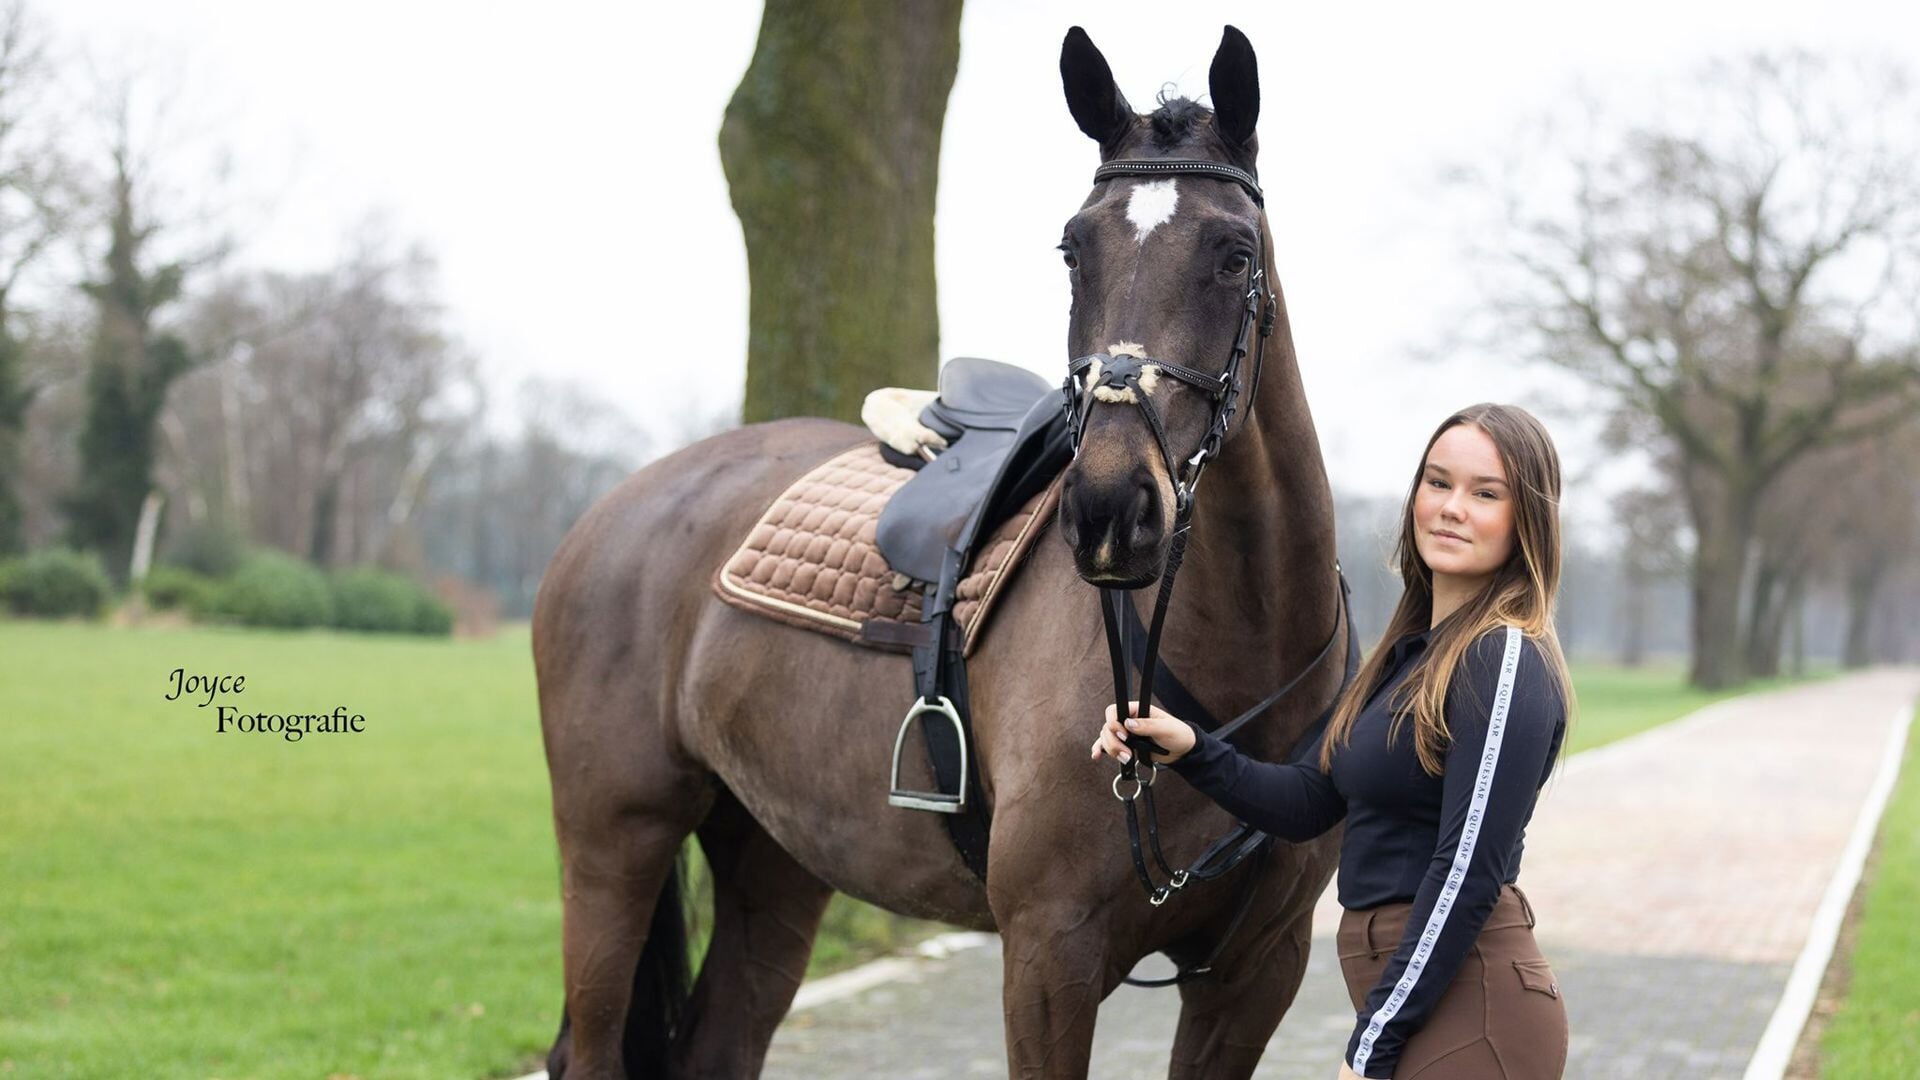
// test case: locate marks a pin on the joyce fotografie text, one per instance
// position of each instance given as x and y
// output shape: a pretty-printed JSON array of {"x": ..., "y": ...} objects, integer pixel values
[{"x": 205, "y": 692}]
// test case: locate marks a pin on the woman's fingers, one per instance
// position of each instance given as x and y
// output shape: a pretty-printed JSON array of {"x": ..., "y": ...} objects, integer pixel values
[
  {"x": 1133, "y": 709},
  {"x": 1150, "y": 726},
  {"x": 1113, "y": 733},
  {"x": 1111, "y": 743}
]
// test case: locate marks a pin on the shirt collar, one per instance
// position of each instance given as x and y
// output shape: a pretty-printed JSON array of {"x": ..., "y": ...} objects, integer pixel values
[
  {"x": 1408, "y": 645},
  {"x": 1414, "y": 642}
]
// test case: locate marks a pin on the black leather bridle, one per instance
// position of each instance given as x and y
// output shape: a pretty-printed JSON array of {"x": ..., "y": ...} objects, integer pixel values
[{"x": 1124, "y": 373}]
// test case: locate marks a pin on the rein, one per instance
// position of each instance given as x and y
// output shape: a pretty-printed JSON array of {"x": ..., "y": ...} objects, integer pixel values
[{"x": 1122, "y": 373}]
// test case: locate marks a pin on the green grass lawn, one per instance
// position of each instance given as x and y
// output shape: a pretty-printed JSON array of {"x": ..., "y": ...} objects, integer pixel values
[
  {"x": 1876, "y": 1032},
  {"x": 179, "y": 903}
]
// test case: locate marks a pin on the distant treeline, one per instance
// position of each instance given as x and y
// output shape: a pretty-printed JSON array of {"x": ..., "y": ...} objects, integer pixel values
[{"x": 162, "y": 405}]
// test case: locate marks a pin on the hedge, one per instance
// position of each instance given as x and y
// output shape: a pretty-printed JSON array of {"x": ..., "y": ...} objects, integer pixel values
[
  {"x": 55, "y": 582},
  {"x": 175, "y": 587},
  {"x": 368, "y": 599},
  {"x": 271, "y": 589}
]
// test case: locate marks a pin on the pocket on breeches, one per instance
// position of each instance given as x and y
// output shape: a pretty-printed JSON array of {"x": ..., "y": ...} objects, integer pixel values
[
  {"x": 1361, "y": 973},
  {"x": 1537, "y": 975},
  {"x": 1530, "y": 1027}
]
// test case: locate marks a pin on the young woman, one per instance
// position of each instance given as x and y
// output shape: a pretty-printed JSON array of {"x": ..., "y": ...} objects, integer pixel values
[{"x": 1433, "y": 758}]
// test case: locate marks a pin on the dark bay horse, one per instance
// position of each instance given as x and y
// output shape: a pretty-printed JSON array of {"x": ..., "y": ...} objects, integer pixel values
[{"x": 667, "y": 713}]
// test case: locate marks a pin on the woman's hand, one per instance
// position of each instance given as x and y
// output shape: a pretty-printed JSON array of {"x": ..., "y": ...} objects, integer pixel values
[
  {"x": 1168, "y": 731},
  {"x": 1347, "y": 1073}
]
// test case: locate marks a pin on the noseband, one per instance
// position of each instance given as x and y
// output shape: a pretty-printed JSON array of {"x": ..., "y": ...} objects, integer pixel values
[{"x": 1122, "y": 373}]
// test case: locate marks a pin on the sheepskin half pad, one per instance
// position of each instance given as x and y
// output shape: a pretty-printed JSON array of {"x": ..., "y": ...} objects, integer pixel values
[{"x": 811, "y": 561}]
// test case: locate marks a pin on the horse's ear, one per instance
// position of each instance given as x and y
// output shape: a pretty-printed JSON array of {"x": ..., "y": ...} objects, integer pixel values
[
  {"x": 1234, "y": 81},
  {"x": 1092, "y": 95}
]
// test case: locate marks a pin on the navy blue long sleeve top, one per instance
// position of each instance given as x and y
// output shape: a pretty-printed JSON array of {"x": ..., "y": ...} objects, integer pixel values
[{"x": 1446, "y": 844}]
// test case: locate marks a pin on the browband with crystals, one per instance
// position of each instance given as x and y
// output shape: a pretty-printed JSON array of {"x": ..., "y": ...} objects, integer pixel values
[{"x": 1181, "y": 167}]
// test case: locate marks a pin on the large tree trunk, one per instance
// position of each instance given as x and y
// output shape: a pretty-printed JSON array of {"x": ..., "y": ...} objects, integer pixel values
[
  {"x": 1633, "y": 618},
  {"x": 326, "y": 513},
  {"x": 1863, "y": 588},
  {"x": 1723, "y": 514},
  {"x": 831, "y": 147},
  {"x": 1798, "y": 625},
  {"x": 1766, "y": 646},
  {"x": 13, "y": 419},
  {"x": 1763, "y": 608}
]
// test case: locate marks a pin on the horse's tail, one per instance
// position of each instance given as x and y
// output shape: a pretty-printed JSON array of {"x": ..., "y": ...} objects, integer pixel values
[{"x": 662, "y": 982}]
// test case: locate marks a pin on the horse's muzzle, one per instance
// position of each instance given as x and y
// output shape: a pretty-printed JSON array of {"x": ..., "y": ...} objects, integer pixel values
[{"x": 1118, "y": 531}]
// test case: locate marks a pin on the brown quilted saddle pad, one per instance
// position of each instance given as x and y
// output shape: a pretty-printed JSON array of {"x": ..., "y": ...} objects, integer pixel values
[{"x": 811, "y": 561}]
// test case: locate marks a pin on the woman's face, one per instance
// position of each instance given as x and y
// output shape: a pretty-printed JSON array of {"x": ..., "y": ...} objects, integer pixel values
[{"x": 1463, "y": 514}]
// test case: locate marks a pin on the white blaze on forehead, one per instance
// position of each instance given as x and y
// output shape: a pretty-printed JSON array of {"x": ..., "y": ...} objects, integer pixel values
[{"x": 1151, "y": 206}]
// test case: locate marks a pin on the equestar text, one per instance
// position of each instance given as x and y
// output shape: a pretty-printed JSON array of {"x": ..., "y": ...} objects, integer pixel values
[{"x": 205, "y": 690}]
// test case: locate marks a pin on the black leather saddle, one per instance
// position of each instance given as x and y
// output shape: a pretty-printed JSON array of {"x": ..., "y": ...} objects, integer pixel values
[{"x": 1006, "y": 438}]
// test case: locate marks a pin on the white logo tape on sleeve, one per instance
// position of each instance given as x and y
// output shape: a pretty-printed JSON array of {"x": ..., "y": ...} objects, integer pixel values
[{"x": 1450, "y": 890}]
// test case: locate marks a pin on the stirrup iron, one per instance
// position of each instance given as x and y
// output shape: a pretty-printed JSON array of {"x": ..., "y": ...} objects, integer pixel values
[{"x": 937, "y": 801}]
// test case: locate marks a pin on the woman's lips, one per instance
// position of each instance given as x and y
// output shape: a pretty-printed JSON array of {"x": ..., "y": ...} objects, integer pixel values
[{"x": 1449, "y": 536}]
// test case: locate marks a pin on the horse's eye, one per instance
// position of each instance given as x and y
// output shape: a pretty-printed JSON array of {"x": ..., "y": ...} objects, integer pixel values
[
  {"x": 1067, "y": 257},
  {"x": 1237, "y": 263}
]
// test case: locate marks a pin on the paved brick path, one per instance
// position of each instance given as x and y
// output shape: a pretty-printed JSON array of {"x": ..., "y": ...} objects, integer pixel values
[{"x": 1674, "y": 874}]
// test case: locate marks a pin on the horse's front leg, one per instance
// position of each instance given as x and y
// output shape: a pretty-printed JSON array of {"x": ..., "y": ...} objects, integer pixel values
[
  {"x": 1227, "y": 1018},
  {"x": 1057, "y": 971}
]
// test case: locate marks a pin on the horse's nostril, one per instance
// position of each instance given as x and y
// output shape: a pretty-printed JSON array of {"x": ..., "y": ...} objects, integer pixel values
[{"x": 1141, "y": 517}]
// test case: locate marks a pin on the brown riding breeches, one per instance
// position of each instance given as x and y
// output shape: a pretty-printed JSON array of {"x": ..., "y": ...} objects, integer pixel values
[{"x": 1501, "y": 1018}]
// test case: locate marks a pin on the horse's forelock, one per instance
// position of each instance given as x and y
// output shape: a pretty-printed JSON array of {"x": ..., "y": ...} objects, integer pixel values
[
  {"x": 1182, "y": 127},
  {"x": 1177, "y": 121}
]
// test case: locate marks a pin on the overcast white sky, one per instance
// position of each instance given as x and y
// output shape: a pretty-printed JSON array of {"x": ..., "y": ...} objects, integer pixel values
[{"x": 560, "y": 158}]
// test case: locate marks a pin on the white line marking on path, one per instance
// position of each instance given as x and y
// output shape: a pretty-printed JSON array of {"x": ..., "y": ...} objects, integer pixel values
[{"x": 1770, "y": 1059}]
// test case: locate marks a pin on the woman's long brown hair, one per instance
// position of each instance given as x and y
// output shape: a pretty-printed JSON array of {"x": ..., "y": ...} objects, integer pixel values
[{"x": 1520, "y": 593}]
